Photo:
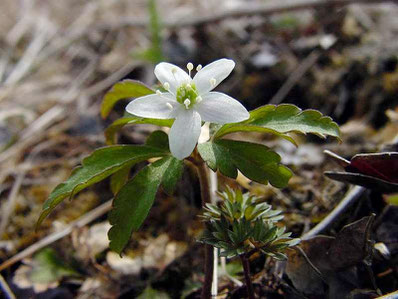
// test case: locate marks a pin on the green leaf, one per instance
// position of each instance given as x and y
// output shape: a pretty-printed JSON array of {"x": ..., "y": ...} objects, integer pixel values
[
  {"x": 172, "y": 175},
  {"x": 270, "y": 234},
  {"x": 150, "y": 293},
  {"x": 123, "y": 90},
  {"x": 276, "y": 255},
  {"x": 151, "y": 55},
  {"x": 110, "y": 132},
  {"x": 255, "y": 161},
  {"x": 119, "y": 178},
  {"x": 283, "y": 119},
  {"x": 217, "y": 157},
  {"x": 158, "y": 139},
  {"x": 96, "y": 167},
  {"x": 233, "y": 128},
  {"x": 133, "y": 202},
  {"x": 48, "y": 267},
  {"x": 154, "y": 54}
]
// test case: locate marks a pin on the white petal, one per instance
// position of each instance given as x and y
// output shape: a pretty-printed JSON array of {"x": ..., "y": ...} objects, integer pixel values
[
  {"x": 154, "y": 106},
  {"x": 219, "y": 108},
  {"x": 184, "y": 133},
  {"x": 172, "y": 74},
  {"x": 218, "y": 70}
]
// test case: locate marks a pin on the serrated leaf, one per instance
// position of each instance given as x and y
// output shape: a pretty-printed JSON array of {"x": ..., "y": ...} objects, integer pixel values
[
  {"x": 132, "y": 204},
  {"x": 242, "y": 127},
  {"x": 119, "y": 178},
  {"x": 255, "y": 161},
  {"x": 283, "y": 119},
  {"x": 110, "y": 132},
  {"x": 96, "y": 167},
  {"x": 123, "y": 90}
]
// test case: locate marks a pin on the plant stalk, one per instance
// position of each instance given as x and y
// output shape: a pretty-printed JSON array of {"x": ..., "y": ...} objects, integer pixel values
[
  {"x": 213, "y": 182},
  {"x": 246, "y": 271},
  {"x": 206, "y": 198}
]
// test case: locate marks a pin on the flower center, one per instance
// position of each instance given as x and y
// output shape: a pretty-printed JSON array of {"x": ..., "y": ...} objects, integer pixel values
[{"x": 187, "y": 95}]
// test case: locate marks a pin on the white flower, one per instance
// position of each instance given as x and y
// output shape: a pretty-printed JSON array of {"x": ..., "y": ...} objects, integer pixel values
[{"x": 190, "y": 101}]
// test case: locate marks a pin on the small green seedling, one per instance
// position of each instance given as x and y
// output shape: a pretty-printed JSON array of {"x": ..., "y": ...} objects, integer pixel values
[{"x": 242, "y": 225}]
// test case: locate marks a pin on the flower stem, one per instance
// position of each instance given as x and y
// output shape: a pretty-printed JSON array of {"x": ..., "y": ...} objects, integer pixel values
[
  {"x": 206, "y": 198},
  {"x": 246, "y": 271}
]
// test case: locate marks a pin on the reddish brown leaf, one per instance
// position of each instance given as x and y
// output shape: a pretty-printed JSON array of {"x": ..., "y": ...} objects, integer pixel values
[
  {"x": 380, "y": 165},
  {"x": 374, "y": 171}
]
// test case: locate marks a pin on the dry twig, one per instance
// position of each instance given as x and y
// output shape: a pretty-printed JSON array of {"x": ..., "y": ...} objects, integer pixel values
[
  {"x": 11, "y": 202},
  {"x": 350, "y": 198},
  {"x": 82, "y": 221},
  {"x": 295, "y": 76},
  {"x": 6, "y": 289},
  {"x": 242, "y": 11}
]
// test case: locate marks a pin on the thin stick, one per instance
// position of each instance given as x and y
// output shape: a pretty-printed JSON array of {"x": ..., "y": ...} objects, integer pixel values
[
  {"x": 389, "y": 295},
  {"x": 350, "y": 198},
  {"x": 225, "y": 272},
  {"x": 241, "y": 11},
  {"x": 317, "y": 271},
  {"x": 43, "y": 32},
  {"x": 213, "y": 182},
  {"x": 294, "y": 77},
  {"x": 246, "y": 271},
  {"x": 206, "y": 198},
  {"x": 11, "y": 202},
  {"x": 6, "y": 289},
  {"x": 369, "y": 249},
  {"x": 35, "y": 130},
  {"x": 82, "y": 221},
  {"x": 336, "y": 158},
  {"x": 111, "y": 79}
]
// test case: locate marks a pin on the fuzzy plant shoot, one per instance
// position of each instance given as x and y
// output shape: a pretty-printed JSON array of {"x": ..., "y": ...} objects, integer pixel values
[
  {"x": 243, "y": 225},
  {"x": 183, "y": 104}
]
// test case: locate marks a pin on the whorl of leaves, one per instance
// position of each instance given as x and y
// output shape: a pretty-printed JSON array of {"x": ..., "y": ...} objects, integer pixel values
[{"x": 242, "y": 224}]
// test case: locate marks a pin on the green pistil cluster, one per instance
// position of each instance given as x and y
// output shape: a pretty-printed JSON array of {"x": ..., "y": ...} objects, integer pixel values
[{"x": 187, "y": 95}]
